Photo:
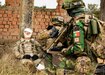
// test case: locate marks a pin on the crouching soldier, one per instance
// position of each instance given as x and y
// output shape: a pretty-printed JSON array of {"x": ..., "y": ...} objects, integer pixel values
[
  {"x": 47, "y": 37},
  {"x": 51, "y": 32},
  {"x": 28, "y": 50}
]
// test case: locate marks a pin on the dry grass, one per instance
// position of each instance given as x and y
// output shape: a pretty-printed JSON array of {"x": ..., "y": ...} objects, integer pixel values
[{"x": 9, "y": 65}]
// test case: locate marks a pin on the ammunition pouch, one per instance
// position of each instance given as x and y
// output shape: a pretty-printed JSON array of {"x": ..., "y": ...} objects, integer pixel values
[{"x": 93, "y": 28}]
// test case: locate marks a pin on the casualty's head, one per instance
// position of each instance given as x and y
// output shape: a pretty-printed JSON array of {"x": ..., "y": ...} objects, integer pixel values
[{"x": 27, "y": 32}]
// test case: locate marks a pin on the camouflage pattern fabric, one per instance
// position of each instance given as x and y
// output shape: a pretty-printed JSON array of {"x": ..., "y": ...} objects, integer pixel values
[
  {"x": 100, "y": 61},
  {"x": 83, "y": 65},
  {"x": 48, "y": 61},
  {"x": 57, "y": 21},
  {"x": 28, "y": 63},
  {"x": 43, "y": 72},
  {"x": 100, "y": 50},
  {"x": 59, "y": 71},
  {"x": 27, "y": 47},
  {"x": 43, "y": 35},
  {"x": 49, "y": 42},
  {"x": 45, "y": 39},
  {"x": 63, "y": 65},
  {"x": 99, "y": 47},
  {"x": 98, "y": 44},
  {"x": 63, "y": 62}
]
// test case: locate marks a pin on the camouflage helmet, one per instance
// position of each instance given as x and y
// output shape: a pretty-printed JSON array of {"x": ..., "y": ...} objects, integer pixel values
[
  {"x": 76, "y": 12},
  {"x": 74, "y": 7},
  {"x": 71, "y": 0},
  {"x": 72, "y": 4},
  {"x": 58, "y": 20},
  {"x": 83, "y": 65}
]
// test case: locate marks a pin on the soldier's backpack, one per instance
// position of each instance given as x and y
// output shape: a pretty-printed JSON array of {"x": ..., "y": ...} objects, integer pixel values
[
  {"x": 96, "y": 35},
  {"x": 99, "y": 43}
]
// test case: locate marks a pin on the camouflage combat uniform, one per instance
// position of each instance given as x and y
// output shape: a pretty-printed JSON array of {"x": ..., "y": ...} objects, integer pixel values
[
  {"x": 52, "y": 31},
  {"x": 97, "y": 44},
  {"x": 48, "y": 36},
  {"x": 29, "y": 52},
  {"x": 93, "y": 49},
  {"x": 74, "y": 56}
]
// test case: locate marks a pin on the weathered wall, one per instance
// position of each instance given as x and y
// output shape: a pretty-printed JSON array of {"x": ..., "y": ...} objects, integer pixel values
[
  {"x": 9, "y": 24},
  {"x": 10, "y": 20}
]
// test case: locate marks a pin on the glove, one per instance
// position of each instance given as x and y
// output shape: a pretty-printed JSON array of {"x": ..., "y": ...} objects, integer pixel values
[
  {"x": 56, "y": 48},
  {"x": 26, "y": 57},
  {"x": 35, "y": 57},
  {"x": 64, "y": 50}
]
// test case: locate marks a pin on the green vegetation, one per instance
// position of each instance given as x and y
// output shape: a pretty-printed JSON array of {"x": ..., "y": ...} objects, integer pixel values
[
  {"x": 1, "y": 6},
  {"x": 93, "y": 9}
]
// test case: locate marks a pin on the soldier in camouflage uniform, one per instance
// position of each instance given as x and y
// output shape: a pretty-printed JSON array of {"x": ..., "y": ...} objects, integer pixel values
[
  {"x": 74, "y": 56},
  {"x": 28, "y": 50},
  {"x": 84, "y": 46},
  {"x": 96, "y": 37},
  {"x": 48, "y": 35},
  {"x": 51, "y": 31}
]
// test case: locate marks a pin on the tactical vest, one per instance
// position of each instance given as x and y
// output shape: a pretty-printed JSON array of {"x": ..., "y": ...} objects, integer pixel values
[
  {"x": 27, "y": 47},
  {"x": 77, "y": 39}
]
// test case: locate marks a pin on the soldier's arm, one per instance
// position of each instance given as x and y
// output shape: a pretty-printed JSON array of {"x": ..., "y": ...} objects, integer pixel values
[
  {"x": 43, "y": 35},
  {"x": 39, "y": 49},
  {"x": 16, "y": 50}
]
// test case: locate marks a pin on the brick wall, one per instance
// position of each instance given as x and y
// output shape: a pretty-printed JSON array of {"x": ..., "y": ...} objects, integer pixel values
[
  {"x": 10, "y": 20},
  {"x": 9, "y": 24},
  {"x": 12, "y": 3},
  {"x": 43, "y": 18}
]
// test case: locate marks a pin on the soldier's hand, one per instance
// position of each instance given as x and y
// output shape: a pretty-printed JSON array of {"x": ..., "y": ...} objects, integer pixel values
[
  {"x": 64, "y": 50},
  {"x": 26, "y": 57}
]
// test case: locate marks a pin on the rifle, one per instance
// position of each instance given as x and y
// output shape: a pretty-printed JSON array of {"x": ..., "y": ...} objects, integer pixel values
[
  {"x": 43, "y": 58},
  {"x": 56, "y": 40}
]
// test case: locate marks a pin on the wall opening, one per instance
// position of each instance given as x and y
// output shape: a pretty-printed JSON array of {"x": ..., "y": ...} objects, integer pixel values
[
  {"x": 48, "y": 4},
  {"x": 2, "y": 2}
]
